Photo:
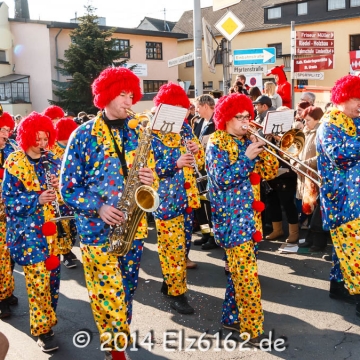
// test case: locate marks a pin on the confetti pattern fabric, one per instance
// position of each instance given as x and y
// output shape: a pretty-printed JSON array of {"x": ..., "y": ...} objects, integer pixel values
[
  {"x": 106, "y": 292},
  {"x": 42, "y": 313},
  {"x": 231, "y": 193},
  {"x": 178, "y": 195}
]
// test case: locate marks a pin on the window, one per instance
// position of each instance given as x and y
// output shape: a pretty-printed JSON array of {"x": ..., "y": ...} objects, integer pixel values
[
  {"x": 154, "y": 50},
  {"x": 354, "y": 42},
  {"x": 122, "y": 45},
  {"x": 2, "y": 56},
  {"x": 302, "y": 8},
  {"x": 153, "y": 85},
  {"x": 336, "y": 4},
  {"x": 189, "y": 63},
  {"x": 16, "y": 91},
  {"x": 274, "y": 13},
  {"x": 354, "y": 3},
  {"x": 278, "y": 48}
]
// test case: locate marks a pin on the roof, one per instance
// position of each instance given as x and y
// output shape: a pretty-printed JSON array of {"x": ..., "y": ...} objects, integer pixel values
[
  {"x": 12, "y": 78},
  {"x": 159, "y": 23},
  {"x": 250, "y": 14},
  {"x": 66, "y": 25},
  {"x": 271, "y": 3}
]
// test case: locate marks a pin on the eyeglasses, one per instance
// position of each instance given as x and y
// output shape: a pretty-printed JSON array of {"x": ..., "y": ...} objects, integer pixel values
[
  {"x": 5, "y": 130},
  {"x": 242, "y": 117}
]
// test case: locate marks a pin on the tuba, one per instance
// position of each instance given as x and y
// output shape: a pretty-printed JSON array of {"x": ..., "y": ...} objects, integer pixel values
[{"x": 136, "y": 198}]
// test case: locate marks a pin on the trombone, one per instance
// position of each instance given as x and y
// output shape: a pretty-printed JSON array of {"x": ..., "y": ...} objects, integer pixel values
[{"x": 291, "y": 142}]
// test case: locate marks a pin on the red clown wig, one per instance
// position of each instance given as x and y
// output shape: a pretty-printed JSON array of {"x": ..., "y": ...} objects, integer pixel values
[
  {"x": 64, "y": 127},
  {"x": 172, "y": 94},
  {"x": 54, "y": 112},
  {"x": 346, "y": 88},
  {"x": 228, "y": 106},
  {"x": 7, "y": 120},
  {"x": 30, "y": 126},
  {"x": 111, "y": 82}
]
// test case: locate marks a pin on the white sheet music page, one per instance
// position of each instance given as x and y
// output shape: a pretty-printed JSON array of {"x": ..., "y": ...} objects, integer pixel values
[
  {"x": 169, "y": 118},
  {"x": 278, "y": 121}
]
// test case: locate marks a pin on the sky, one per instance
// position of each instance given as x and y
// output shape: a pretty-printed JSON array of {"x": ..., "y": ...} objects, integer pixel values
[{"x": 121, "y": 13}]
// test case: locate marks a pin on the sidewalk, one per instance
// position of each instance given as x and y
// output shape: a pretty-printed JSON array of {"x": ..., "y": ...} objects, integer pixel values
[{"x": 295, "y": 300}]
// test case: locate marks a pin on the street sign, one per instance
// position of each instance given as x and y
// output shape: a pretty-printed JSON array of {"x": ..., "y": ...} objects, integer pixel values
[
  {"x": 229, "y": 26},
  {"x": 255, "y": 56},
  {"x": 314, "y": 43},
  {"x": 249, "y": 69},
  {"x": 181, "y": 59},
  {"x": 314, "y": 64},
  {"x": 315, "y": 35},
  {"x": 308, "y": 76},
  {"x": 221, "y": 4},
  {"x": 355, "y": 60}
]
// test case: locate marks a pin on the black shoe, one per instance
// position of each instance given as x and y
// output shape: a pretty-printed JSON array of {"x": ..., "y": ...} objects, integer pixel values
[
  {"x": 327, "y": 257},
  {"x": 316, "y": 248},
  {"x": 256, "y": 342},
  {"x": 181, "y": 305},
  {"x": 4, "y": 309},
  {"x": 233, "y": 327},
  {"x": 12, "y": 300},
  {"x": 47, "y": 342},
  {"x": 201, "y": 241},
  {"x": 304, "y": 245},
  {"x": 339, "y": 292},
  {"x": 210, "y": 244},
  {"x": 72, "y": 256},
  {"x": 164, "y": 288},
  {"x": 68, "y": 262}
]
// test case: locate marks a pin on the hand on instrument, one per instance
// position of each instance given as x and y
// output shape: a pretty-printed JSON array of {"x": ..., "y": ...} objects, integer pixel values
[
  {"x": 185, "y": 160},
  {"x": 54, "y": 181},
  {"x": 146, "y": 176},
  {"x": 193, "y": 147},
  {"x": 254, "y": 150},
  {"x": 47, "y": 196},
  {"x": 111, "y": 215}
]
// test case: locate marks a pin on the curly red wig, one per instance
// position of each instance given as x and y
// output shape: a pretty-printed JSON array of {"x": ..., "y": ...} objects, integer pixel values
[
  {"x": 30, "y": 126},
  {"x": 54, "y": 112},
  {"x": 64, "y": 127},
  {"x": 172, "y": 94},
  {"x": 228, "y": 106},
  {"x": 7, "y": 120},
  {"x": 111, "y": 82},
  {"x": 346, "y": 88}
]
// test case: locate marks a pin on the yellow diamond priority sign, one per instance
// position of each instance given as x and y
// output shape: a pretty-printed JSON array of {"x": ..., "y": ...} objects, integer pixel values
[{"x": 229, "y": 25}]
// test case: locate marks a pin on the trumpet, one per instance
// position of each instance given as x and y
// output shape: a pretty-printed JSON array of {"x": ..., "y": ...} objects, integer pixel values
[
  {"x": 292, "y": 143},
  {"x": 1, "y": 110}
]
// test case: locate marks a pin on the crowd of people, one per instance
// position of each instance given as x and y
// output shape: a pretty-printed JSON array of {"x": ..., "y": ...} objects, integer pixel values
[{"x": 62, "y": 177}]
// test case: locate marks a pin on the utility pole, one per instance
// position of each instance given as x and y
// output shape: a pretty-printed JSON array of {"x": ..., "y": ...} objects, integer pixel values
[{"x": 197, "y": 48}]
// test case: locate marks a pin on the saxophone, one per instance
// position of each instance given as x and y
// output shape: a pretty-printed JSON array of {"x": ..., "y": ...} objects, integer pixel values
[{"x": 136, "y": 198}]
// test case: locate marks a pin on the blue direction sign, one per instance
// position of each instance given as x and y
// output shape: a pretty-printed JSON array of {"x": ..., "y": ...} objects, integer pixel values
[{"x": 254, "y": 56}]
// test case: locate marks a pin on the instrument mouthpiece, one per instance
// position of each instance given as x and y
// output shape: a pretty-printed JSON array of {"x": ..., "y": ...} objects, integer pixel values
[{"x": 245, "y": 127}]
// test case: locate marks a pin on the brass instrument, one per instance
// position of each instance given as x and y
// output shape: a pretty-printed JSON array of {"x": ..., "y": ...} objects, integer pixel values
[
  {"x": 1, "y": 110},
  {"x": 291, "y": 144},
  {"x": 63, "y": 237},
  {"x": 136, "y": 198}
]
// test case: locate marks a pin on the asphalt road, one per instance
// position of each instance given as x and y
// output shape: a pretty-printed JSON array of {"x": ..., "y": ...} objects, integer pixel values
[{"x": 295, "y": 300}]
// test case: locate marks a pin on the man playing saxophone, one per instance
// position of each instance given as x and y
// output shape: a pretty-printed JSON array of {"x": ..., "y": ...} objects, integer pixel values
[{"x": 94, "y": 174}]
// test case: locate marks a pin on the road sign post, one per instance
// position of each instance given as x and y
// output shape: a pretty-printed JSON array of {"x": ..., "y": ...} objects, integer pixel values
[
  {"x": 314, "y": 42},
  {"x": 314, "y": 64}
]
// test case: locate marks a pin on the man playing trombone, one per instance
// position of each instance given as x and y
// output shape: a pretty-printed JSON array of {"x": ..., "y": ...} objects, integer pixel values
[
  {"x": 235, "y": 165},
  {"x": 338, "y": 162}
]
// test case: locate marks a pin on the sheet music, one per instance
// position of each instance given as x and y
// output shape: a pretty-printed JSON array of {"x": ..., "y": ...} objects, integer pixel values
[
  {"x": 278, "y": 121},
  {"x": 169, "y": 118}
]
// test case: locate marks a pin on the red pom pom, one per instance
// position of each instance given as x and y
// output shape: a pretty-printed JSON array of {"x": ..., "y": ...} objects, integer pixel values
[
  {"x": 258, "y": 206},
  {"x": 257, "y": 236},
  {"x": 187, "y": 185},
  {"x": 255, "y": 178},
  {"x": 1, "y": 173},
  {"x": 52, "y": 262},
  {"x": 49, "y": 228},
  {"x": 188, "y": 210}
]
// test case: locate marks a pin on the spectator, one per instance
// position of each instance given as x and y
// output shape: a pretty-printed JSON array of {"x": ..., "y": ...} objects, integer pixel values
[
  {"x": 269, "y": 90},
  {"x": 309, "y": 97},
  {"x": 254, "y": 93},
  {"x": 263, "y": 104}
]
